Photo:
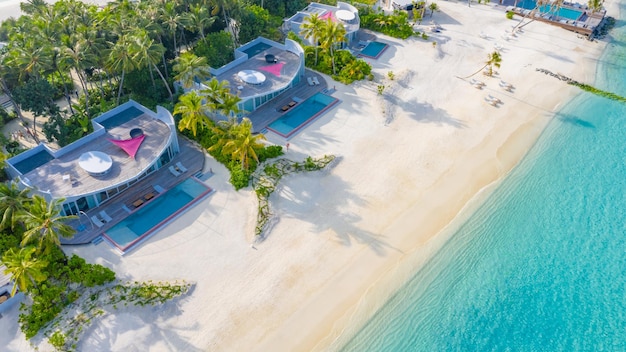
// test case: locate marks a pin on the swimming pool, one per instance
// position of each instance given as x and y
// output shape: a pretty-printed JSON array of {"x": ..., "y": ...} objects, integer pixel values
[
  {"x": 567, "y": 13},
  {"x": 152, "y": 216},
  {"x": 374, "y": 49},
  {"x": 256, "y": 49},
  {"x": 121, "y": 117},
  {"x": 300, "y": 115},
  {"x": 34, "y": 161}
]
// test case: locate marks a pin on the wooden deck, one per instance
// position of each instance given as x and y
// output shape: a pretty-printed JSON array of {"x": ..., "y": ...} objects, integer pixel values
[
  {"x": 271, "y": 111},
  {"x": 191, "y": 156}
]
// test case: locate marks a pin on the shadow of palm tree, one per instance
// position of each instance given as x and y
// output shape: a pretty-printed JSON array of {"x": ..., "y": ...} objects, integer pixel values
[{"x": 302, "y": 198}]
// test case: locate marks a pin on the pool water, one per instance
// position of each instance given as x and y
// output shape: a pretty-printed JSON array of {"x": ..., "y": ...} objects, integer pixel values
[
  {"x": 150, "y": 217},
  {"x": 34, "y": 161},
  {"x": 121, "y": 117},
  {"x": 256, "y": 49},
  {"x": 374, "y": 49},
  {"x": 567, "y": 13},
  {"x": 303, "y": 113}
]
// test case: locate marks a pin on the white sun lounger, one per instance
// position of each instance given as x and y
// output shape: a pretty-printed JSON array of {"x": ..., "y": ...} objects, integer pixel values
[
  {"x": 310, "y": 80},
  {"x": 316, "y": 81},
  {"x": 173, "y": 171},
  {"x": 105, "y": 216},
  {"x": 97, "y": 221},
  {"x": 180, "y": 167}
]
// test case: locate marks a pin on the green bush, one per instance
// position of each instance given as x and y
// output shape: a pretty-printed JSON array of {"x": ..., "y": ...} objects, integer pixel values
[
  {"x": 218, "y": 48},
  {"x": 510, "y": 14},
  {"x": 395, "y": 25}
]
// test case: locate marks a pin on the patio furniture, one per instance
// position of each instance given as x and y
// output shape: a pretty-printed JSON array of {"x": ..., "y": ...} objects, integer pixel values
[
  {"x": 148, "y": 196},
  {"x": 284, "y": 108},
  {"x": 138, "y": 203},
  {"x": 105, "y": 216},
  {"x": 316, "y": 81},
  {"x": 136, "y": 132},
  {"x": 97, "y": 221},
  {"x": 173, "y": 171},
  {"x": 180, "y": 167},
  {"x": 96, "y": 163},
  {"x": 292, "y": 104},
  {"x": 310, "y": 80}
]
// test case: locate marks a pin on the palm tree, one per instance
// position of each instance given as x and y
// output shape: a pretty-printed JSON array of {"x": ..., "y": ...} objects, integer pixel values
[
  {"x": 332, "y": 34},
  {"x": 190, "y": 67},
  {"x": 13, "y": 202},
  {"x": 192, "y": 112},
  {"x": 312, "y": 28},
  {"x": 147, "y": 53},
  {"x": 120, "y": 59},
  {"x": 214, "y": 91},
  {"x": 23, "y": 269},
  {"x": 243, "y": 144},
  {"x": 433, "y": 7},
  {"x": 493, "y": 59},
  {"x": 171, "y": 20},
  {"x": 197, "y": 19},
  {"x": 44, "y": 224},
  {"x": 595, "y": 5}
]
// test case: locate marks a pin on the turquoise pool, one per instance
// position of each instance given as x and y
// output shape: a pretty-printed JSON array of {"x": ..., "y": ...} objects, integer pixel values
[
  {"x": 566, "y": 13},
  {"x": 300, "y": 115},
  {"x": 34, "y": 161},
  {"x": 374, "y": 49},
  {"x": 158, "y": 212},
  {"x": 121, "y": 117}
]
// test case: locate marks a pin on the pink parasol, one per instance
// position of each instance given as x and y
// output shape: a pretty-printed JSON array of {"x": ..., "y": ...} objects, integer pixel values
[
  {"x": 130, "y": 146},
  {"x": 273, "y": 69}
]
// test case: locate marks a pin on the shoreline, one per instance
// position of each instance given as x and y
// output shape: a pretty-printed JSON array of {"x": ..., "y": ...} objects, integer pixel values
[
  {"x": 334, "y": 333},
  {"x": 348, "y": 239}
]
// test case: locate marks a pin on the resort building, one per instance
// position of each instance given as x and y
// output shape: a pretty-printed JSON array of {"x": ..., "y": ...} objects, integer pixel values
[
  {"x": 127, "y": 144},
  {"x": 262, "y": 70},
  {"x": 343, "y": 13}
]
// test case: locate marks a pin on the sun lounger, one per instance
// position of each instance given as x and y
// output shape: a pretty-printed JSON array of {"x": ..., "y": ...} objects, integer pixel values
[
  {"x": 316, "y": 81},
  {"x": 284, "y": 108},
  {"x": 148, "y": 196},
  {"x": 97, "y": 221},
  {"x": 310, "y": 80},
  {"x": 173, "y": 171},
  {"x": 292, "y": 104},
  {"x": 180, "y": 167},
  {"x": 159, "y": 189},
  {"x": 105, "y": 216},
  {"x": 138, "y": 203}
]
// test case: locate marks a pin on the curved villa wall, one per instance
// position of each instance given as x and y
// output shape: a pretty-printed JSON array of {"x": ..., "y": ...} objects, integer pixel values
[
  {"x": 262, "y": 70},
  {"x": 62, "y": 173}
]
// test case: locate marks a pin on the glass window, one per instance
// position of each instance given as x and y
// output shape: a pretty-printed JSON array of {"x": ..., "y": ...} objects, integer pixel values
[
  {"x": 82, "y": 204},
  {"x": 165, "y": 157},
  {"x": 122, "y": 187}
]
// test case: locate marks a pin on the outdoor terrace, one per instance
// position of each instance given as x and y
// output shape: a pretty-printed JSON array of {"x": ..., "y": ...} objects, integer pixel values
[
  {"x": 50, "y": 176},
  {"x": 290, "y": 67},
  {"x": 191, "y": 156},
  {"x": 271, "y": 111}
]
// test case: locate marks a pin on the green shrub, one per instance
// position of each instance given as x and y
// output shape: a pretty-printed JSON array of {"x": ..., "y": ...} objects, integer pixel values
[
  {"x": 510, "y": 14},
  {"x": 395, "y": 25}
]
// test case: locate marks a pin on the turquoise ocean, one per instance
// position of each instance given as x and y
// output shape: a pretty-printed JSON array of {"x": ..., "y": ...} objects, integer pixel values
[{"x": 541, "y": 265}]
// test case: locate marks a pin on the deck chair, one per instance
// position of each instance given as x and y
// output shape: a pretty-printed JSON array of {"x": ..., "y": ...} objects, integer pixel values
[
  {"x": 316, "y": 81},
  {"x": 180, "y": 167},
  {"x": 105, "y": 216},
  {"x": 173, "y": 171},
  {"x": 310, "y": 80},
  {"x": 97, "y": 221}
]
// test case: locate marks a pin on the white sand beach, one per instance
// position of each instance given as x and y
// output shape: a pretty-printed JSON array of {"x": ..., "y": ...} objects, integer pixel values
[{"x": 347, "y": 237}]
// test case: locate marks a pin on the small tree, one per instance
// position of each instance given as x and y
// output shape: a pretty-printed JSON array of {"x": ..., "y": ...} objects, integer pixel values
[
  {"x": 35, "y": 96},
  {"x": 24, "y": 269},
  {"x": 433, "y": 7}
]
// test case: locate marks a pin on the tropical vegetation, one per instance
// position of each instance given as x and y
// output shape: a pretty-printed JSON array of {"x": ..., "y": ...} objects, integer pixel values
[
  {"x": 394, "y": 25},
  {"x": 326, "y": 56}
]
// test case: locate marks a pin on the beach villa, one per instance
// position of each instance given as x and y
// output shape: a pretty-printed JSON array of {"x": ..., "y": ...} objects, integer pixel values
[
  {"x": 262, "y": 70},
  {"x": 127, "y": 144},
  {"x": 343, "y": 13}
]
